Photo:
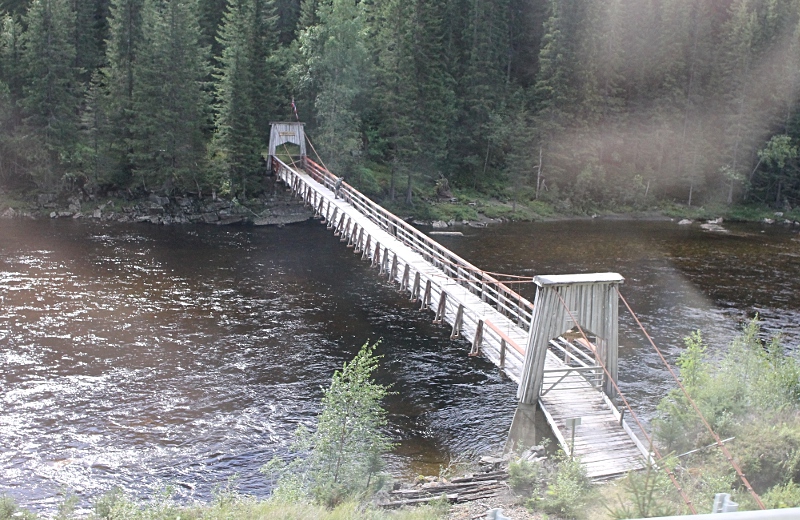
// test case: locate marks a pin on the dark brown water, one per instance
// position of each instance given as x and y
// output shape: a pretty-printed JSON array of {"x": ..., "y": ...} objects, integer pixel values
[{"x": 142, "y": 356}]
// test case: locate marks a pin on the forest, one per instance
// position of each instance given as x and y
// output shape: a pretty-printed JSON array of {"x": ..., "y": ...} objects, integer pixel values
[{"x": 585, "y": 102}]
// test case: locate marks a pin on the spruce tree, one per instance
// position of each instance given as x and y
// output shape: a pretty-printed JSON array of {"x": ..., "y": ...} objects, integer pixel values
[
  {"x": 52, "y": 91},
  {"x": 170, "y": 101},
  {"x": 11, "y": 64},
  {"x": 124, "y": 42},
  {"x": 237, "y": 142}
]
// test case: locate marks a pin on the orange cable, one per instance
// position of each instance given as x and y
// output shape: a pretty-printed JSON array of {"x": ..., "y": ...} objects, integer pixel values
[
  {"x": 669, "y": 472},
  {"x": 696, "y": 408}
]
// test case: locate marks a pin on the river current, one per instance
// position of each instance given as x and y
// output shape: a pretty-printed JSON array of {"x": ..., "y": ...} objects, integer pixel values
[{"x": 141, "y": 357}]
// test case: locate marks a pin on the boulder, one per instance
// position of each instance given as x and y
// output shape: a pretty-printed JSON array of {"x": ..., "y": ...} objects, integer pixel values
[
  {"x": 439, "y": 224},
  {"x": 684, "y": 222}
]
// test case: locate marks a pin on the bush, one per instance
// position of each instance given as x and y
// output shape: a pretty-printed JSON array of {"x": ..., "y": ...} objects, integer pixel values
[
  {"x": 525, "y": 476},
  {"x": 343, "y": 457},
  {"x": 779, "y": 497},
  {"x": 568, "y": 492},
  {"x": 752, "y": 393},
  {"x": 648, "y": 494}
]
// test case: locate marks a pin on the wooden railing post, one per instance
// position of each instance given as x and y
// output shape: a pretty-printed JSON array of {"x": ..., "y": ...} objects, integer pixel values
[
  {"x": 477, "y": 340},
  {"x": 415, "y": 289},
  {"x": 442, "y": 308},
  {"x": 457, "y": 323},
  {"x": 365, "y": 253},
  {"x": 426, "y": 298}
]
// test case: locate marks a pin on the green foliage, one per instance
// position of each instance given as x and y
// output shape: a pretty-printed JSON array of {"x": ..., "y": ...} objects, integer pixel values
[
  {"x": 649, "y": 493},
  {"x": 51, "y": 92},
  {"x": 751, "y": 393},
  {"x": 231, "y": 505},
  {"x": 10, "y": 511},
  {"x": 525, "y": 477},
  {"x": 342, "y": 459},
  {"x": 169, "y": 98},
  {"x": 782, "y": 496},
  {"x": 568, "y": 491}
]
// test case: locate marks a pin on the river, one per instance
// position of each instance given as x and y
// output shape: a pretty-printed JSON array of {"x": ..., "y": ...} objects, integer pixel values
[{"x": 142, "y": 356}]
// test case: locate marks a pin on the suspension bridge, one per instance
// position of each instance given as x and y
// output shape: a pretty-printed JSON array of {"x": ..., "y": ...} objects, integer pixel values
[{"x": 560, "y": 350}]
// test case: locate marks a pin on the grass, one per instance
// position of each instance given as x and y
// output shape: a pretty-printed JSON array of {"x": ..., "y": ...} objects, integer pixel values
[{"x": 116, "y": 506}]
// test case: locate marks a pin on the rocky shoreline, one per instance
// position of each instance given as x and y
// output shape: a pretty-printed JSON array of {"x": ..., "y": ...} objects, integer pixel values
[{"x": 275, "y": 210}]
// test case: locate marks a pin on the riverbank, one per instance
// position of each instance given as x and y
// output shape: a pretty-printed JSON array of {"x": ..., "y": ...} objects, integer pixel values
[{"x": 278, "y": 207}]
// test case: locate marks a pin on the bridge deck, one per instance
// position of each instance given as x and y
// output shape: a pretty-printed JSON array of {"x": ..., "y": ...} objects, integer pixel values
[{"x": 605, "y": 445}]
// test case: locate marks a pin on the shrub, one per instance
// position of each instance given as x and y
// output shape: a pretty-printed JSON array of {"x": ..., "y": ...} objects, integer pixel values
[
  {"x": 648, "y": 494},
  {"x": 568, "y": 492},
  {"x": 783, "y": 496},
  {"x": 525, "y": 476},
  {"x": 341, "y": 459}
]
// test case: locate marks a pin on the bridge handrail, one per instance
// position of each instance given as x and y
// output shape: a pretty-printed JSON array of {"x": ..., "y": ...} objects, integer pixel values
[{"x": 508, "y": 302}]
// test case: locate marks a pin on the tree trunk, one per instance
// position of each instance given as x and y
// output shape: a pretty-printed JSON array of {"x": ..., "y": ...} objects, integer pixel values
[{"x": 539, "y": 174}]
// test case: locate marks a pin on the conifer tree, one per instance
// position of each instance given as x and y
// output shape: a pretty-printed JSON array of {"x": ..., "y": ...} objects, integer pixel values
[
  {"x": 52, "y": 91},
  {"x": 169, "y": 99},
  {"x": 124, "y": 42},
  {"x": 242, "y": 79},
  {"x": 11, "y": 44}
]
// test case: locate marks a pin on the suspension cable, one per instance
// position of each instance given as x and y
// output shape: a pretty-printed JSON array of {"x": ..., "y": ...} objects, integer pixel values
[
  {"x": 669, "y": 472},
  {"x": 696, "y": 408},
  {"x": 315, "y": 153}
]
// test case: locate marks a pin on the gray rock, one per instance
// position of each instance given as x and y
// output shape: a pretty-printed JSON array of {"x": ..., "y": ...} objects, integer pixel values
[
  {"x": 685, "y": 222},
  {"x": 45, "y": 198},
  {"x": 210, "y": 218},
  {"x": 161, "y": 201},
  {"x": 228, "y": 221},
  {"x": 439, "y": 224},
  {"x": 98, "y": 213}
]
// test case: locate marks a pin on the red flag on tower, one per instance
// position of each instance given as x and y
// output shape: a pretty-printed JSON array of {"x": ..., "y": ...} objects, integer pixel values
[{"x": 294, "y": 109}]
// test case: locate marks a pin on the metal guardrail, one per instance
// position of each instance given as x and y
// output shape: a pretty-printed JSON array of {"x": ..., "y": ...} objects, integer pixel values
[{"x": 490, "y": 290}]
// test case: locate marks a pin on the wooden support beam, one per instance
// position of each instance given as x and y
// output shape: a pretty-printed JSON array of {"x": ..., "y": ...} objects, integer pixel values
[
  {"x": 477, "y": 340},
  {"x": 359, "y": 241},
  {"x": 352, "y": 234},
  {"x": 376, "y": 256},
  {"x": 502, "y": 354},
  {"x": 442, "y": 308},
  {"x": 426, "y": 298},
  {"x": 456, "y": 333},
  {"x": 415, "y": 288},
  {"x": 404, "y": 281},
  {"x": 365, "y": 252},
  {"x": 332, "y": 220},
  {"x": 393, "y": 271}
]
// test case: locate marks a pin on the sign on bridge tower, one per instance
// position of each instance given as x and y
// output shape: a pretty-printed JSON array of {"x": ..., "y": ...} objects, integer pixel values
[
  {"x": 287, "y": 132},
  {"x": 561, "y": 300}
]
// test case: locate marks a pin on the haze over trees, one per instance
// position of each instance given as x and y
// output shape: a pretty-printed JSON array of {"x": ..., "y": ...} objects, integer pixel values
[{"x": 582, "y": 101}]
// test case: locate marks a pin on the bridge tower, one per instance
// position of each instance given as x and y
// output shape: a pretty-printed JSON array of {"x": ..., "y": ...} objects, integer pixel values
[
  {"x": 593, "y": 302},
  {"x": 283, "y": 132}
]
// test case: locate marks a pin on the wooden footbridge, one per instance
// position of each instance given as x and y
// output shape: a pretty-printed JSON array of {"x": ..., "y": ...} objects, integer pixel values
[{"x": 560, "y": 350}]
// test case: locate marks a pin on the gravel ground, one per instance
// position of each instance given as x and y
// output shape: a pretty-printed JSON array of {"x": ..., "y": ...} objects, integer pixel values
[{"x": 477, "y": 510}]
